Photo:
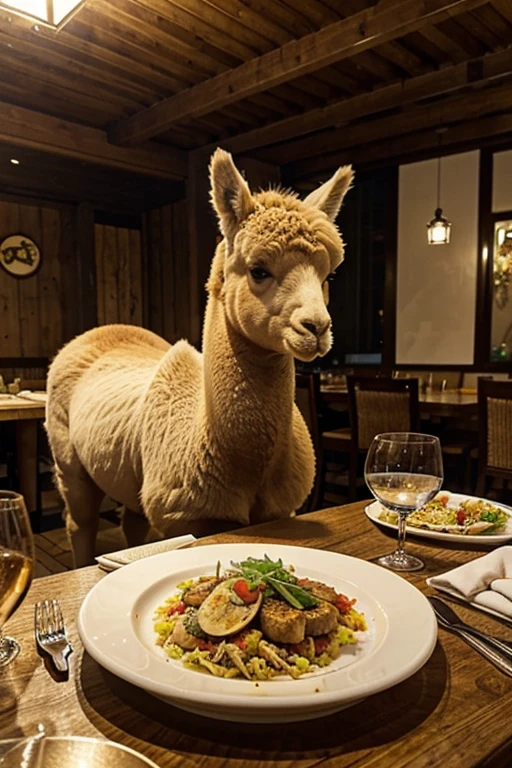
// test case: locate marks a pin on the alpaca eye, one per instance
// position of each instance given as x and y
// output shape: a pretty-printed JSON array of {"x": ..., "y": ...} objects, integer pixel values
[
  {"x": 331, "y": 277},
  {"x": 259, "y": 274}
]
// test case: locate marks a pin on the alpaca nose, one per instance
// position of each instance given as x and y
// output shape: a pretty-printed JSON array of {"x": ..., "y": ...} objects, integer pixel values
[{"x": 317, "y": 329}]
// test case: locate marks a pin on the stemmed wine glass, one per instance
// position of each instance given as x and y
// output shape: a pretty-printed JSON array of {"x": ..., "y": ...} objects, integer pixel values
[
  {"x": 403, "y": 470},
  {"x": 16, "y": 564}
]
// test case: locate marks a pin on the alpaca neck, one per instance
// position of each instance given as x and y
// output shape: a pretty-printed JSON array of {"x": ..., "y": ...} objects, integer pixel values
[{"x": 245, "y": 385}]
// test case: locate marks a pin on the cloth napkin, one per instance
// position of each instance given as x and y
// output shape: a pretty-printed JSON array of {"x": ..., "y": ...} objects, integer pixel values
[
  {"x": 114, "y": 560},
  {"x": 27, "y": 394},
  {"x": 485, "y": 582}
]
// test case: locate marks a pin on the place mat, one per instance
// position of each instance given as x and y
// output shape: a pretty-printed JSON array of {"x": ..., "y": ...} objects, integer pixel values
[{"x": 114, "y": 560}]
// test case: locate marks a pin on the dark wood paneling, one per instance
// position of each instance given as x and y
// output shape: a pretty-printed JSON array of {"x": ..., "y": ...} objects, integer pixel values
[
  {"x": 32, "y": 310},
  {"x": 118, "y": 275},
  {"x": 481, "y": 355},
  {"x": 168, "y": 272}
]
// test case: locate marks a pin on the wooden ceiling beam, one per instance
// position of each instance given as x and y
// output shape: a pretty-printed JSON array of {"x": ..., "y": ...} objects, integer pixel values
[
  {"x": 398, "y": 94},
  {"x": 466, "y": 106},
  {"x": 400, "y": 148},
  {"x": 21, "y": 127},
  {"x": 360, "y": 32}
]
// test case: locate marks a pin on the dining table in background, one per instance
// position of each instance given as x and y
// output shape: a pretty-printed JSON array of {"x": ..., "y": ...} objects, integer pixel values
[
  {"x": 446, "y": 404},
  {"x": 27, "y": 414},
  {"x": 454, "y": 712}
]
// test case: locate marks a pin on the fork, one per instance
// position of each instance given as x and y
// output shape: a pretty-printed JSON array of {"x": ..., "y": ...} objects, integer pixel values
[{"x": 50, "y": 633}]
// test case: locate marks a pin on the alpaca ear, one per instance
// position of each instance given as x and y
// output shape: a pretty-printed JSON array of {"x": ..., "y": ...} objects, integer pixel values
[
  {"x": 329, "y": 196},
  {"x": 230, "y": 193}
]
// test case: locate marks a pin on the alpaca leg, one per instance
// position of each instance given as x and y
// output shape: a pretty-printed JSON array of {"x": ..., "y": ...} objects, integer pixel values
[
  {"x": 135, "y": 527},
  {"x": 82, "y": 499}
]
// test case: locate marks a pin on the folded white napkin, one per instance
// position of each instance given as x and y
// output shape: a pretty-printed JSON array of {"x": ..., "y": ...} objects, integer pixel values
[
  {"x": 485, "y": 582},
  {"x": 114, "y": 560},
  {"x": 27, "y": 394}
]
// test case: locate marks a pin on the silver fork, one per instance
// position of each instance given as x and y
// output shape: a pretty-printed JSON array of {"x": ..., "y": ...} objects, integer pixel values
[{"x": 50, "y": 633}]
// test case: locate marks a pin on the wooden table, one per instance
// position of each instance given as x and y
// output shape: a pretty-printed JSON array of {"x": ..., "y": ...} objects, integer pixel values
[
  {"x": 449, "y": 404},
  {"x": 26, "y": 414},
  {"x": 455, "y": 712}
]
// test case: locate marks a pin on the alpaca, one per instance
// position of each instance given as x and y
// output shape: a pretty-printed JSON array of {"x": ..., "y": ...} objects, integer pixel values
[{"x": 192, "y": 442}]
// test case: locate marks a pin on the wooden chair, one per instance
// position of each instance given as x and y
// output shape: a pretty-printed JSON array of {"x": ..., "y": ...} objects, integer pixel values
[
  {"x": 307, "y": 398},
  {"x": 495, "y": 432},
  {"x": 375, "y": 405},
  {"x": 38, "y": 385}
]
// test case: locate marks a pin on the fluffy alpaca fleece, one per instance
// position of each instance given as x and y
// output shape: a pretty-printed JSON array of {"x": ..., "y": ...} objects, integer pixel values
[{"x": 190, "y": 441}]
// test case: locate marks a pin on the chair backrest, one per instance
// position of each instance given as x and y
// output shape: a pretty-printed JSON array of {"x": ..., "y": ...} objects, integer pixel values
[
  {"x": 495, "y": 424},
  {"x": 307, "y": 398},
  {"x": 33, "y": 384},
  {"x": 381, "y": 405}
]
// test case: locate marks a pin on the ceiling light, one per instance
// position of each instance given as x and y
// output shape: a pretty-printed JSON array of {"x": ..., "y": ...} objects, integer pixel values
[
  {"x": 439, "y": 228},
  {"x": 51, "y": 13},
  {"x": 14, "y": 161}
]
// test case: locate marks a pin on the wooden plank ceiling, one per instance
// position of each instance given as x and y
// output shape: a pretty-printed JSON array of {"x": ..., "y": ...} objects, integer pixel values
[{"x": 135, "y": 85}]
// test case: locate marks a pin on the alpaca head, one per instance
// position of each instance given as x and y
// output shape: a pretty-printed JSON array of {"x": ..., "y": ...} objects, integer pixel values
[{"x": 277, "y": 255}]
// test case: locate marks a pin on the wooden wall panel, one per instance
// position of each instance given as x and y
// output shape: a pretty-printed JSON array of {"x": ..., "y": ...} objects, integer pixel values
[
  {"x": 166, "y": 258},
  {"x": 56, "y": 239},
  {"x": 181, "y": 270},
  {"x": 118, "y": 274},
  {"x": 32, "y": 309},
  {"x": 10, "y": 331}
]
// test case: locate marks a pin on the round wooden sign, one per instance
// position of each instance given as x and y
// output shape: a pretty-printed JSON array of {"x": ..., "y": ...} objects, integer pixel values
[{"x": 19, "y": 255}]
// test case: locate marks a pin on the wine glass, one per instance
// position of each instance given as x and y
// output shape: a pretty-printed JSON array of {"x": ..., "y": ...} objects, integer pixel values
[
  {"x": 403, "y": 470},
  {"x": 16, "y": 564}
]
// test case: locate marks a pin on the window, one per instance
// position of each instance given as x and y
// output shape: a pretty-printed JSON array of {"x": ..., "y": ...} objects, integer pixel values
[{"x": 357, "y": 294}]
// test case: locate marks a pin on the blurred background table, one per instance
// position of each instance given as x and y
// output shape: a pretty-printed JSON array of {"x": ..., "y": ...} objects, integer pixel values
[
  {"x": 27, "y": 414},
  {"x": 449, "y": 404}
]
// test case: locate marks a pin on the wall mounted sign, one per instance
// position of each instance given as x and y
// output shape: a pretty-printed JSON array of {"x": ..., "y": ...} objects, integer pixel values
[{"x": 19, "y": 255}]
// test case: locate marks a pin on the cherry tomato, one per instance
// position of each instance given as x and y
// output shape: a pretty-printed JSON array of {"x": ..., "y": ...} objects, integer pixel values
[
  {"x": 321, "y": 644},
  {"x": 177, "y": 608},
  {"x": 241, "y": 589},
  {"x": 343, "y": 604},
  {"x": 461, "y": 517},
  {"x": 206, "y": 645}
]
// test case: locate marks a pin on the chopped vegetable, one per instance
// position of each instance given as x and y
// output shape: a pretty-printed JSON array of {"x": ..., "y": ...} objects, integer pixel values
[
  {"x": 223, "y": 634},
  {"x": 260, "y": 573}
]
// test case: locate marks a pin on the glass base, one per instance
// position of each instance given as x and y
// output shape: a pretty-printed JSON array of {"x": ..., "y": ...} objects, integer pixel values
[
  {"x": 401, "y": 561},
  {"x": 9, "y": 649}
]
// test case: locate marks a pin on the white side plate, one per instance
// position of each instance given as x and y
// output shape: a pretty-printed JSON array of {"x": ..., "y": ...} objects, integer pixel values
[{"x": 374, "y": 509}]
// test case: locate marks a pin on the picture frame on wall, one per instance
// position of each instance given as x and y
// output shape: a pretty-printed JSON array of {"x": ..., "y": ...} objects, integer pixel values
[{"x": 19, "y": 255}]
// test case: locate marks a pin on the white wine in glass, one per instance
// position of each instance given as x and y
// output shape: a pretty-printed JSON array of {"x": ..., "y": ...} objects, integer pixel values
[
  {"x": 16, "y": 564},
  {"x": 403, "y": 470}
]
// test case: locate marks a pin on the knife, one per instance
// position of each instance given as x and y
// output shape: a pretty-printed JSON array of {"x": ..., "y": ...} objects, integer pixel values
[{"x": 496, "y": 651}]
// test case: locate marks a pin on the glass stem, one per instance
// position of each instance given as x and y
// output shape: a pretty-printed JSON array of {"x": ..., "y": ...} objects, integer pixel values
[{"x": 402, "y": 519}]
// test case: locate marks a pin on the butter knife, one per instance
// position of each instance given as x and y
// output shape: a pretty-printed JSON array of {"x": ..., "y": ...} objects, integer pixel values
[{"x": 493, "y": 649}]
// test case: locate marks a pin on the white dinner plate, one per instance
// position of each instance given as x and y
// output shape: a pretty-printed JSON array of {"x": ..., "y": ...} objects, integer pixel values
[
  {"x": 374, "y": 509},
  {"x": 116, "y": 627}
]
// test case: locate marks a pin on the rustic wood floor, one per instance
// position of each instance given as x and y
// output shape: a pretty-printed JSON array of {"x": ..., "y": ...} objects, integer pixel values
[{"x": 53, "y": 552}]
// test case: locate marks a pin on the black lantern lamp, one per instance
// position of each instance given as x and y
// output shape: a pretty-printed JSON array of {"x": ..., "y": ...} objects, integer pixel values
[{"x": 438, "y": 228}]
